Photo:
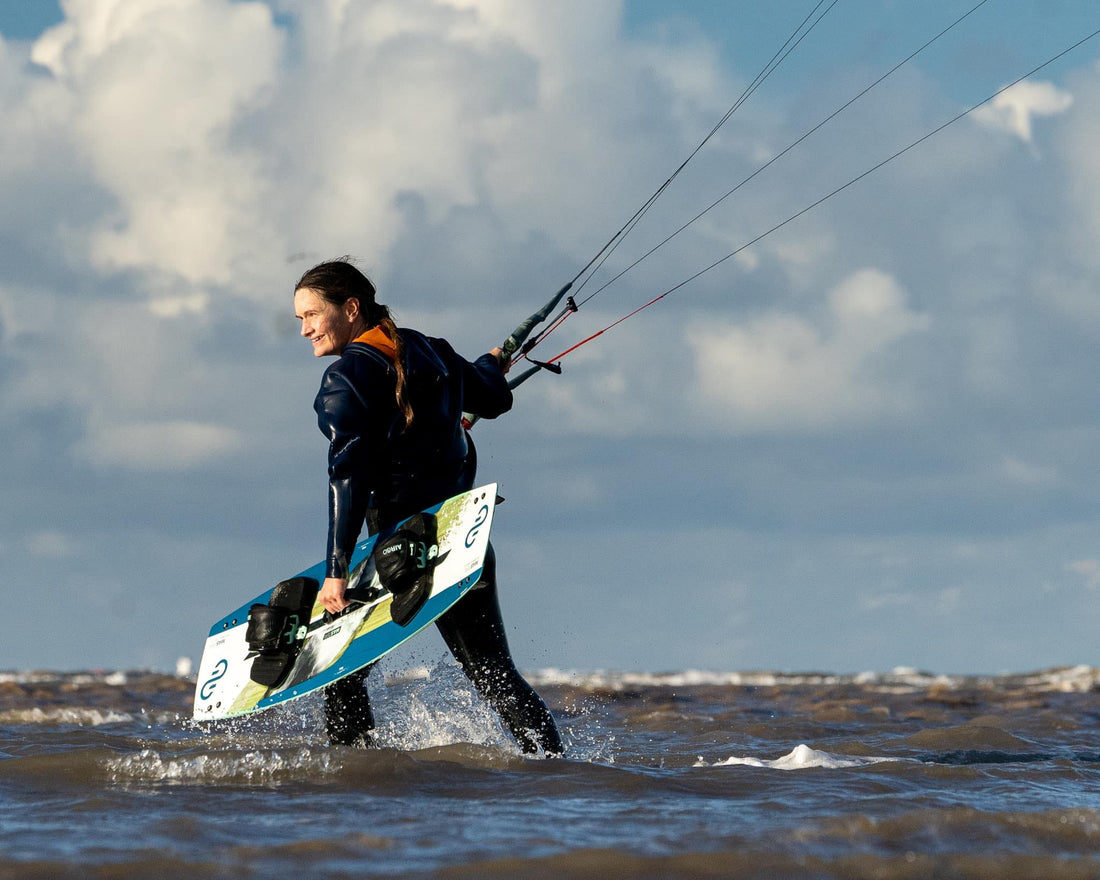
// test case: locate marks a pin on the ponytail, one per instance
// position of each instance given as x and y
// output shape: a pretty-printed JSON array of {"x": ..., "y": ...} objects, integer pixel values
[{"x": 380, "y": 315}]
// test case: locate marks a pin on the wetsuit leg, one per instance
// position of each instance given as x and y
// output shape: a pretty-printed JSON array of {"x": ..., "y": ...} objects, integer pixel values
[
  {"x": 474, "y": 632},
  {"x": 348, "y": 716}
]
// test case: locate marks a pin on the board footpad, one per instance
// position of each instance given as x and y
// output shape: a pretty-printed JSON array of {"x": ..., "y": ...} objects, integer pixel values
[
  {"x": 405, "y": 562},
  {"x": 275, "y": 630}
]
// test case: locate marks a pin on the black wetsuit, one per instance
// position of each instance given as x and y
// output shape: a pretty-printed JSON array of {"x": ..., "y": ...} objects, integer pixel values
[{"x": 380, "y": 472}]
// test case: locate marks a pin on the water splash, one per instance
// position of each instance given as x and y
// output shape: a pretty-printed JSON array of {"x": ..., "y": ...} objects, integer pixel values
[{"x": 426, "y": 709}]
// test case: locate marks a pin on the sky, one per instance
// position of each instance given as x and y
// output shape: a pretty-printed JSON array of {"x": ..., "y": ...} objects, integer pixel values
[{"x": 867, "y": 440}]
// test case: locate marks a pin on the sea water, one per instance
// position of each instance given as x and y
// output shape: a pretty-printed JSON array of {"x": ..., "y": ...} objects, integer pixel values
[{"x": 752, "y": 775}]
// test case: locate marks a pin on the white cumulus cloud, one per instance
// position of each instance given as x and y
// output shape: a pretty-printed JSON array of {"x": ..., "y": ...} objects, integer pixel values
[
  {"x": 1015, "y": 109},
  {"x": 155, "y": 92},
  {"x": 159, "y": 446},
  {"x": 783, "y": 370}
]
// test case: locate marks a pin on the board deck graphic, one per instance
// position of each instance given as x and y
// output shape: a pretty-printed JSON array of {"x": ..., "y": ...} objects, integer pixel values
[{"x": 335, "y": 647}]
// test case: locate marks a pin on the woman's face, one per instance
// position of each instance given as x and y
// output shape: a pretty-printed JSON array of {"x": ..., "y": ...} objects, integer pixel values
[{"x": 328, "y": 326}]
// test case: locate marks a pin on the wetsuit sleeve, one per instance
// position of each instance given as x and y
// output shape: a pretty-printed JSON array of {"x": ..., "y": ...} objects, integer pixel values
[
  {"x": 342, "y": 416},
  {"x": 485, "y": 390}
]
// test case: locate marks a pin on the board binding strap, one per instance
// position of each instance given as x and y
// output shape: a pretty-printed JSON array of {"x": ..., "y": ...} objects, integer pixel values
[
  {"x": 405, "y": 563},
  {"x": 276, "y": 630}
]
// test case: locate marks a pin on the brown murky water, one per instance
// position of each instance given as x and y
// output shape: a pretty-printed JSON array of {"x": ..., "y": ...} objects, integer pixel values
[{"x": 763, "y": 775}]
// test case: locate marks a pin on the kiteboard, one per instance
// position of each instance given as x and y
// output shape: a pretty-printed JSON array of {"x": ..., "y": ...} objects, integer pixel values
[{"x": 283, "y": 644}]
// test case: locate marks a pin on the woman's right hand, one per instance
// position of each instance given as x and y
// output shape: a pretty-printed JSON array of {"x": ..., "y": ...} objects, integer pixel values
[
  {"x": 502, "y": 359},
  {"x": 334, "y": 595}
]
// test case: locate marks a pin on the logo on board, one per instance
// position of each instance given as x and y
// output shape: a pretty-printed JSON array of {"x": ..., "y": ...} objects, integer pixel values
[
  {"x": 208, "y": 686},
  {"x": 471, "y": 535}
]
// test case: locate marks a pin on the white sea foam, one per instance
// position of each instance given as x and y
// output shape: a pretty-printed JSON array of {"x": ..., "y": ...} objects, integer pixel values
[
  {"x": 802, "y": 758},
  {"x": 614, "y": 680},
  {"x": 37, "y": 676},
  {"x": 1074, "y": 679},
  {"x": 31, "y": 677},
  {"x": 255, "y": 767},
  {"x": 1077, "y": 679},
  {"x": 76, "y": 716}
]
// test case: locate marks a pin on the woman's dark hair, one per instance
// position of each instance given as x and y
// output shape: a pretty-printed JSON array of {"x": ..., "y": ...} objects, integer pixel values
[{"x": 337, "y": 281}]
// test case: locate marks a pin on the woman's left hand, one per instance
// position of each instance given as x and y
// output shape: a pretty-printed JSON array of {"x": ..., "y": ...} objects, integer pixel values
[{"x": 333, "y": 595}]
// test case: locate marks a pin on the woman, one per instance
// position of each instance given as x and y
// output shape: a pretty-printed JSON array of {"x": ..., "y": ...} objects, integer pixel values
[{"x": 391, "y": 406}]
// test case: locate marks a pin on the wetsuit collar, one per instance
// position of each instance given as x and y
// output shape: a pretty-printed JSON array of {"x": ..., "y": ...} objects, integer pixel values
[{"x": 375, "y": 337}]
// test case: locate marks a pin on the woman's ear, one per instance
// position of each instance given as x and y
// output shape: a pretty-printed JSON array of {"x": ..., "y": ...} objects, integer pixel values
[{"x": 351, "y": 309}]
